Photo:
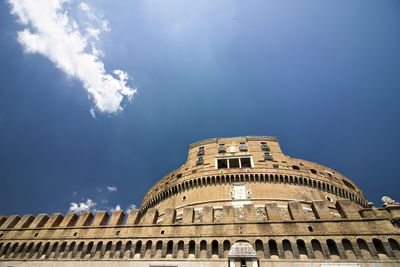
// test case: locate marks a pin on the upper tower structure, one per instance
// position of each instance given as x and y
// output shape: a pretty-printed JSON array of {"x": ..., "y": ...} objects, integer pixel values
[{"x": 248, "y": 170}]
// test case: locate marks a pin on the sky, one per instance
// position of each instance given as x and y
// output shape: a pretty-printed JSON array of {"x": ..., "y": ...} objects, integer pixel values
[{"x": 100, "y": 99}]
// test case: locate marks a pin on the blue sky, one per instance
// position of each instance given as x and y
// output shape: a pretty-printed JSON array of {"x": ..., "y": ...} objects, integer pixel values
[{"x": 322, "y": 76}]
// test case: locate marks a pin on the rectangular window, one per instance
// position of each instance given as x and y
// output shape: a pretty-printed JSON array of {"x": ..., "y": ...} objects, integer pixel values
[
  {"x": 264, "y": 146},
  {"x": 243, "y": 147},
  {"x": 200, "y": 161},
  {"x": 234, "y": 163},
  {"x": 222, "y": 163},
  {"x": 267, "y": 156},
  {"x": 245, "y": 162},
  {"x": 221, "y": 148},
  {"x": 201, "y": 151}
]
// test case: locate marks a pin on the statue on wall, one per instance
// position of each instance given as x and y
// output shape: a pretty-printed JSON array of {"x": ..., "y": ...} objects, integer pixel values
[
  {"x": 248, "y": 193},
  {"x": 388, "y": 201},
  {"x": 232, "y": 193}
]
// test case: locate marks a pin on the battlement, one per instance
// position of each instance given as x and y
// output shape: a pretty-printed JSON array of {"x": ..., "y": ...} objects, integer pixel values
[
  {"x": 291, "y": 233},
  {"x": 270, "y": 212}
]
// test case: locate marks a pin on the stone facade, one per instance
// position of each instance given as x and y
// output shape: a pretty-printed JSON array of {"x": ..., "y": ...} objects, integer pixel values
[{"x": 235, "y": 202}]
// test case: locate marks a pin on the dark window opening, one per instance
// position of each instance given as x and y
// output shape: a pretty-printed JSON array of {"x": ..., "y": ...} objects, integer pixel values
[
  {"x": 295, "y": 167},
  {"x": 276, "y": 166},
  {"x": 243, "y": 147},
  {"x": 117, "y": 233},
  {"x": 246, "y": 163},
  {"x": 310, "y": 228},
  {"x": 36, "y": 234},
  {"x": 179, "y": 175},
  {"x": 242, "y": 263},
  {"x": 267, "y": 156},
  {"x": 201, "y": 151},
  {"x": 200, "y": 160},
  {"x": 75, "y": 234},
  {"x": 221, "y": 148},
  {"x": 222, "y": 163},
  {"x": 162, "y": 232},
  {"x": 349, "y": 185},
  {"x": 234, "y": 163},
  {"x": 231, "y": 163},
  {"x": 264, "y": 146},
  {"x": 313, "y": 171}
]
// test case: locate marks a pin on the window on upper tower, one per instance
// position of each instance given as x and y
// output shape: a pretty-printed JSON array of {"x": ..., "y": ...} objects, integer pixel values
[
  {"x": 200, "y": 160},
  {"x": 234, "y": 162},
  {"x": 243, "y": 147},
  {"x": 267, "y": 156},
  {"x": 264, "y": 146},
  {"x": 201, "y": 151},
  {"x": 221, "y": 148}
]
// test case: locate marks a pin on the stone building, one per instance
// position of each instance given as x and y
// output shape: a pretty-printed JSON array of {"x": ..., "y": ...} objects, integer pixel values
[{"x": 235, "y": 202}]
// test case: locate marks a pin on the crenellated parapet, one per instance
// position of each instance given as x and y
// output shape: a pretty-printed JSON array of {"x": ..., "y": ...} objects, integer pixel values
[{"x": 277, "y": 232}]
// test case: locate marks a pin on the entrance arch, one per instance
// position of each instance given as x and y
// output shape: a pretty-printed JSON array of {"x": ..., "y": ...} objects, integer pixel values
[{"x": 242, "y": 254}]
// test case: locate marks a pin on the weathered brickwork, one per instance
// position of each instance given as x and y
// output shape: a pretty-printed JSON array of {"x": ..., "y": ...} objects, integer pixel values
[{"x": 290, "y": 211}]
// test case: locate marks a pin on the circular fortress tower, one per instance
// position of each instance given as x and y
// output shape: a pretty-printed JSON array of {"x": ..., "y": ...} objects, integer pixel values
[{"x": 247, "y": 170}]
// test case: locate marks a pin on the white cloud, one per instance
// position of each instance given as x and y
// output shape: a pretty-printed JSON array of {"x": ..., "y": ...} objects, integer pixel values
[
  {"x": 89, "y": 205},
  {"x": 117, "y": 208},
  {"x": 130, "y": 207},
  {"x": 112, "y": 188},
  {"x": 50, "y": 31}
]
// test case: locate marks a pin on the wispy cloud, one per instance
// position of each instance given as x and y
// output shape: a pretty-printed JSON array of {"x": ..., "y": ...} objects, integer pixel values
[
  {"x": 117, "y": 208},
  {"x": 130, "y": 207},
  {"x": 51, "y": 31},
  {"x": 89, "y": 205},
  {"x": 112, "y": 188}
]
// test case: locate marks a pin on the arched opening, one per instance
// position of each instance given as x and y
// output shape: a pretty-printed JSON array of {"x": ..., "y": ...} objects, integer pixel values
[
  {"x": 61, "y": 252},
  {"x": 80, "y": 250},
  {"x": 107, "y": 253},
  {"x": 395, "y": 247},
  {"x": 259, "y": 248},
  {"x": 170, "y": 245},
  {"x": 214, "y": 248},
  {"x": 203, "y": 249},
  {"x": 86, "y": 253},
  {"x": 192, "y": 249},
  {"x": 317, "y": 249},
  {"x": 37, "y": 250},
  {"x": 227, "y": 247},
  {"x": 287, "y": 249},
  {"x": 333, "y": 250},
  {"x": 20, "y": 250},
  {"x": 362, "y": 245},
  {"x": 13, "y": 249},
  {"x": 138, "y": 248},
  {"x": 118, "y": 248},
  {"x": 147, "y": 251},
  {"x": 128, "y": 250},
  {"x": 5, "y": 249},
  {"x": 273, "y": 249},
  {"x": 159, "y": 249},
  {"x": 302, "y": 249},
  {"x": 28, "y": 252},
  {"x": 97, "y": 253},
  {"x": 380, "y": 249},
  {"x": 348, "y": 249},
  {"x": 180, "y": 249}
]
